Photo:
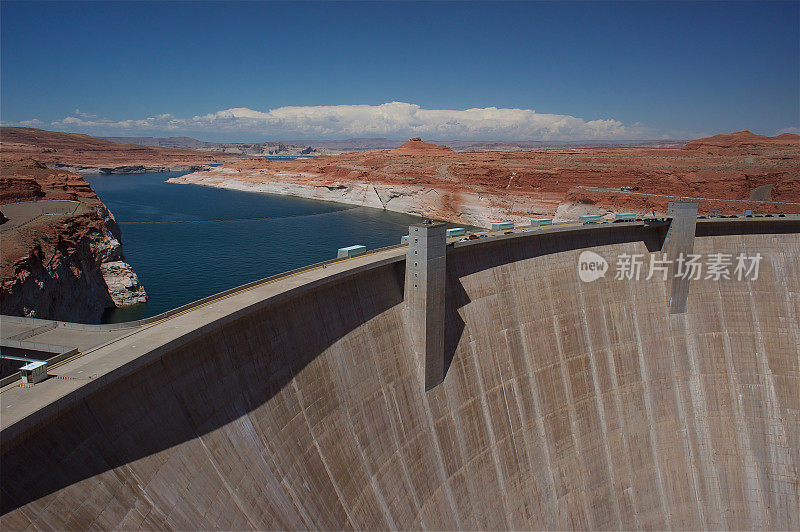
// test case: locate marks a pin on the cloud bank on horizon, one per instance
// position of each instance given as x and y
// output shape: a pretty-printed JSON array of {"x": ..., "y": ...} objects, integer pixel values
[{"x": 392, "y": 119}]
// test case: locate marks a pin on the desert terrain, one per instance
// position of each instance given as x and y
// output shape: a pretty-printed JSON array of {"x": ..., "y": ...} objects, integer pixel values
[
  {"x": 91, "y": 155},
  {"x": 729, "y": 172}
]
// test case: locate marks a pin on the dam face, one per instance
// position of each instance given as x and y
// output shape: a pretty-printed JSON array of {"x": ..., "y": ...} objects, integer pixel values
[{"x": 566, "y": 404}]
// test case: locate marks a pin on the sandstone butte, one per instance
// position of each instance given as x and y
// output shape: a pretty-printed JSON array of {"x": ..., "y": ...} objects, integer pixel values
[{"x": 478, "y": 187}]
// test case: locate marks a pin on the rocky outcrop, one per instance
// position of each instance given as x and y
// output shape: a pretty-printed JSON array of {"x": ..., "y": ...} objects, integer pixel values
[
  {"x": 78, "y": 279},
  {"x": 68, "y": 266},
  {"x": 19, "y": 189},
  {"x": 123, "y": 284}
]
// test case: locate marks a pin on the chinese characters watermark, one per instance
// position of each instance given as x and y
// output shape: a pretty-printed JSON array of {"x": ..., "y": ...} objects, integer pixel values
[{"x": 635, "y": 267}]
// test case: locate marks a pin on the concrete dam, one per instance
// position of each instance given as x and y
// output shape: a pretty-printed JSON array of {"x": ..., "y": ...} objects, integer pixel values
[{"x": 563, "y": 404}]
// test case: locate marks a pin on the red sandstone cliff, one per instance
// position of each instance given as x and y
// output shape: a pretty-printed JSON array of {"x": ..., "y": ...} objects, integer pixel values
[{"x": 62, "y": 256}]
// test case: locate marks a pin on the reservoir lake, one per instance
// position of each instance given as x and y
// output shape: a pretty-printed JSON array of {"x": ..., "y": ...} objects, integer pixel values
[{"x": 186, "y": 242}]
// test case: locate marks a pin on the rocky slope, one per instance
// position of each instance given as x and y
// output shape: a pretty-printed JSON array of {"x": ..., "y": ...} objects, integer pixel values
[
  {"x": 479, "y": 187},
  {"x": 89, "y": 155},
  {"x": 61, "y": 253}
]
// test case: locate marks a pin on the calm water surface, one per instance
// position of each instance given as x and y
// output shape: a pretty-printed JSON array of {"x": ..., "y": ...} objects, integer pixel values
[{"x": 187, "y": 242}]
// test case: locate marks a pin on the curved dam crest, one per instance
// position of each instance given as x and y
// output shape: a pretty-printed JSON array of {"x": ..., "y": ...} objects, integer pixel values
[{"x": 565, "y": 404}]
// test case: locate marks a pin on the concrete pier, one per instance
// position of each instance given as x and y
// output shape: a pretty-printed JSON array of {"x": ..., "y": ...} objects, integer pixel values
[
  {"x": 424, "y": 296},
  {"x": 678, "y": 245}
]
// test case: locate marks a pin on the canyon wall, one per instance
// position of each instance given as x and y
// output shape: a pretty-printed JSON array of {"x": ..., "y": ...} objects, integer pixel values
[
  {"x": 566, "y": 405},
  {"x": 83, "y": 273},
  {"x": 62, "y": 251}
]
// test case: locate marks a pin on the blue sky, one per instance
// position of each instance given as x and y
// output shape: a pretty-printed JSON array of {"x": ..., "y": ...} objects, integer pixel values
[{"x": 521, "y": 71}]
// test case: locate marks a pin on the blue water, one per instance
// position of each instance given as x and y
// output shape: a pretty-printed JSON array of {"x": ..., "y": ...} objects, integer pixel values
[{"x": 187, "y": 242}]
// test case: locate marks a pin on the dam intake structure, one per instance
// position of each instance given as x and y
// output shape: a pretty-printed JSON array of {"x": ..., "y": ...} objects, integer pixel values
[{"x": 562, "y": 403}]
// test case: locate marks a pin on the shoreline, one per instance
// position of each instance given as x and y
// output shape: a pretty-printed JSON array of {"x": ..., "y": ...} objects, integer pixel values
[{"x": 465, "y": 207}]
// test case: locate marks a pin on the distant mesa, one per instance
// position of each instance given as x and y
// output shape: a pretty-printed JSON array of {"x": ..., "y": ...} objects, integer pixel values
[
  {"x": 417, "y": 145},
  {"x": 85, "y": 154},
  {"x": 742, "y": 139}
]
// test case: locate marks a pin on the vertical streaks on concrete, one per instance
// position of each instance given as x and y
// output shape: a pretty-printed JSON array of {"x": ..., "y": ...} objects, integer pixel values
[
  {"x": 564, "y": 407},
  {"x": 600, "y": 407}
]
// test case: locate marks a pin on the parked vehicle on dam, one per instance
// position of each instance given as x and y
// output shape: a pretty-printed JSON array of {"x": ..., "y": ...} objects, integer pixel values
[
  {"x": 33, "y": 372},
  {"x": 502, "y": 226}
]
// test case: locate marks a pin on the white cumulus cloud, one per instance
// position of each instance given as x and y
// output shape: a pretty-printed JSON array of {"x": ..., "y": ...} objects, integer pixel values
[{"x": 393, "y": 119}]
